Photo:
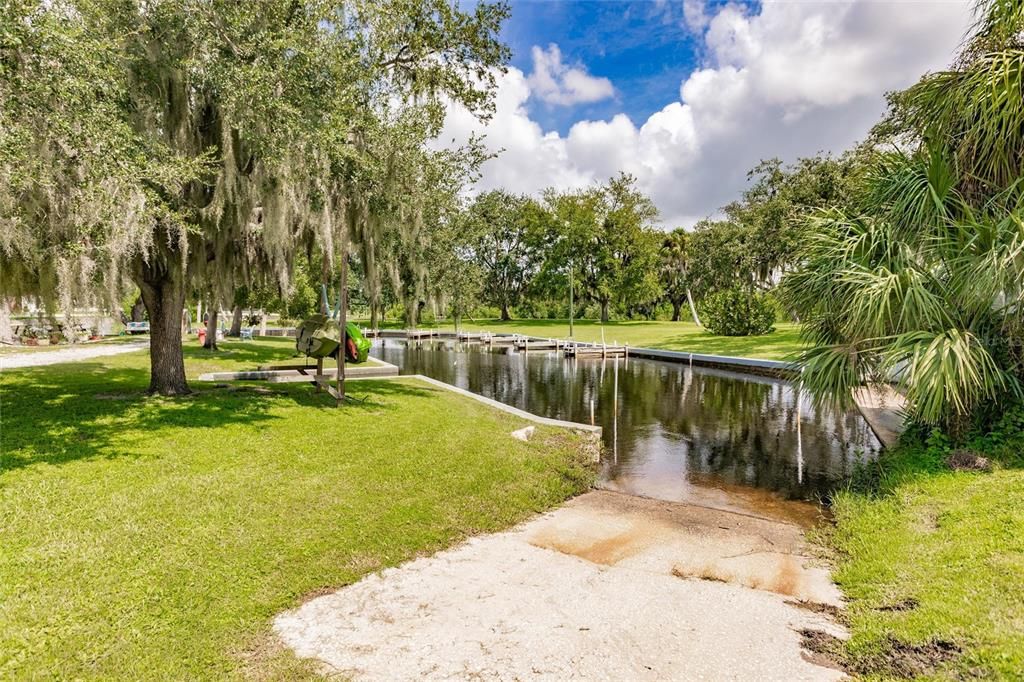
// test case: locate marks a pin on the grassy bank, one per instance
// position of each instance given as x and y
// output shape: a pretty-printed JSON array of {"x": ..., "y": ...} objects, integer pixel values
[
  {"x": 932, "y": 561},
  {"x": 781, "y": 344},
  {"x": 156, "y": 538}
]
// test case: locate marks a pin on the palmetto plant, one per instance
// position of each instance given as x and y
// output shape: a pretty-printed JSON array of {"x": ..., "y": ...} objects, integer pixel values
[{"x": 921, "y": 280}]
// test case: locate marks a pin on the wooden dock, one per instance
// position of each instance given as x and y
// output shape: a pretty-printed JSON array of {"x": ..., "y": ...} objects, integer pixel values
[
  {"x": 420, "y": 333},
  {"x": 499, "y": 340},
  {"x": 528, "y": 344},
  {"x": 596, "y": 351}
]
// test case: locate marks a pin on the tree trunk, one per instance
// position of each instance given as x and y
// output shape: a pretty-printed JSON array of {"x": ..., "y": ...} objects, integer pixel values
[
  {"x": 374, "y": 321},
  {"x": 411, "y": 314},
  {"x": 211, "y": 329},
  {"x": 604, "y": 311},
  {"x": 138, "y": 310},
  {"x": 504, "y": 311},
  {"x": 6, "y": 328},
  {"x": 693, "y": 308},
  {"x": 236, "y": 322},
  {"x": 677, "y": 307},
  {"x": 163, "y": 293}
]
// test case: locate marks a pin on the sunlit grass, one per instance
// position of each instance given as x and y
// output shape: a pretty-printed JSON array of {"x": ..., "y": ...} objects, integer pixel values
[
  {"x": 156, "y": 538},
  {"x": 936, "y": 555}
]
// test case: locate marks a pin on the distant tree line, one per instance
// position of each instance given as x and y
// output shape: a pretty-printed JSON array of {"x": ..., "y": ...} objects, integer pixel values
[{"x": 512, "y": 256}]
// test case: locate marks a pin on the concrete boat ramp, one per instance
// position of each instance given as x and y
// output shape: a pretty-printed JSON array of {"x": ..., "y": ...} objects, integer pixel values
[{"x": 607, "y": 586}]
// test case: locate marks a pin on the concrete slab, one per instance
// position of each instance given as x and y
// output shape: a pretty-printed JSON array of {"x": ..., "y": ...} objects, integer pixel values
[
  {"x": 883, "y": 409},
  {"x": 304, "y": 375},
  {"x": 608, "y": 586}
]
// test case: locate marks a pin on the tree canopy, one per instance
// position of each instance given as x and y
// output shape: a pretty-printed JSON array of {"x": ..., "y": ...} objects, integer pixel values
[
  {"x": 195, "y": 144},
  {"x": 921, "y": 276}
]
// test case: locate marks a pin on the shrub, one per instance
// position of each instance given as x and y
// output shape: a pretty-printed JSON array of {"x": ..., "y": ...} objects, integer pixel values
[{"x": 734, "y": 312}]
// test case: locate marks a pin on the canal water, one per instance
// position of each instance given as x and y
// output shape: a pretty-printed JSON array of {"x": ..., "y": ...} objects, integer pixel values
[{"x": 671, "y": 431}]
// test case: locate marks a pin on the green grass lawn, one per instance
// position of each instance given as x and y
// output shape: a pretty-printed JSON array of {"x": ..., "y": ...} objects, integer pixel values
[
  {"x": 931, "y": 557},
  {"x": 782, "y": 344},
  {"x": 156, "y": 538}
]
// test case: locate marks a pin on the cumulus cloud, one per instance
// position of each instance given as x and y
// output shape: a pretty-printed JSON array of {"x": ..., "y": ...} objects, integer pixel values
[
  {"x": 694, "y": 15},
  {"x": 789, "y": 81},
  {"x": 558, "y": 83}
]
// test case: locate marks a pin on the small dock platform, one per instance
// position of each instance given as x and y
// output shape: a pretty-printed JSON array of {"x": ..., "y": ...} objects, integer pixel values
[
  {"x": 596, "y": 351},
  {"x": 528, "y": 344}
]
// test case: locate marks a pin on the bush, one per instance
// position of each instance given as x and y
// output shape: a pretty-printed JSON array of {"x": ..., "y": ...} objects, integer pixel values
[{"x": 737, "y": 313}]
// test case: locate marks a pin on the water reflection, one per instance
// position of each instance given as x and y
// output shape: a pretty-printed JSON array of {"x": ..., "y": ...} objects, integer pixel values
[{"x": 672, "y": 431}]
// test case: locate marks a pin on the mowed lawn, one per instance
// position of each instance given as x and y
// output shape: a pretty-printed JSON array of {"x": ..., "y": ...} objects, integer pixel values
[
  {"x": 782, "y": 344},
  {"x": 932, "y": 562},
  {"x": 156, "y": 538}
]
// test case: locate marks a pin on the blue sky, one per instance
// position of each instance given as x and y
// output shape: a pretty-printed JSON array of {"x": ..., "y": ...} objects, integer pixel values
[
  {"x": 688, "y": 95},
  {"x": 644, "y": 48}
]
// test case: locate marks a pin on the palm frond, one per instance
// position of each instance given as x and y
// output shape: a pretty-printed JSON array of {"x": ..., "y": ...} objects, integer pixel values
[{"x": 951, "y": 369}]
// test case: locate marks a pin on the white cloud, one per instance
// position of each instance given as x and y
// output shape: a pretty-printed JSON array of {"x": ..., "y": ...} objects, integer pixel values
[
  {"x": 694, "y": 15},
  {"x": 793, "y": 80},
  {"x": 558, "y": 83}
]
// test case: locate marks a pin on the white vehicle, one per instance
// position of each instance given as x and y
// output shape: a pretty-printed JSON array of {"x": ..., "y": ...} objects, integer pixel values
[{"x": 137, "y": 327}]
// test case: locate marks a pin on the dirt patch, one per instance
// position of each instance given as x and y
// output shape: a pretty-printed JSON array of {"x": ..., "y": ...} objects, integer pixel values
[
  {"x": 782, "y": 576},
  {"x": 830, "y": 610},
  {"x": 821, "y": 648},
  {"x": 705, "y": 573},
  {"x": 965, "y": 460},
  {"x": 893, "y": 659},
  {"x": 927, "y": 522},
  {"x": 607, "y": 551}
]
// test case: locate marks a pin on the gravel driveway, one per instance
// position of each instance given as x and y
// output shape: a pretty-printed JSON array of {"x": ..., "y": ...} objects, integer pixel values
[{"x": 69, "y": 354}]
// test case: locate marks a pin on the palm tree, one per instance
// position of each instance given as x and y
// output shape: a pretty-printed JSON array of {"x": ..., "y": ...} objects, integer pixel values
[
  {"x": 675, "y": 275},
  {"x": 922, "y": 278}
]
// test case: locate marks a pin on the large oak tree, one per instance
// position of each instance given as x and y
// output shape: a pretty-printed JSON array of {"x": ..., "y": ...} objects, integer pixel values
[{"x": 202, "y": 144}]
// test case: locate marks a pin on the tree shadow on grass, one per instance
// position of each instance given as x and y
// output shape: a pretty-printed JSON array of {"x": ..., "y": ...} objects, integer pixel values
[
  {"x": 58, "y": 415},
  {"x": 250, "y": 355}
]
